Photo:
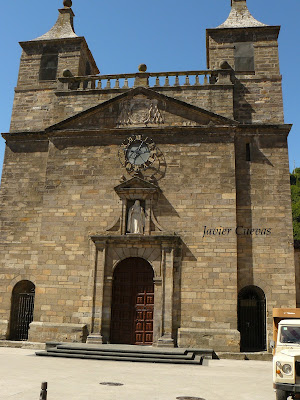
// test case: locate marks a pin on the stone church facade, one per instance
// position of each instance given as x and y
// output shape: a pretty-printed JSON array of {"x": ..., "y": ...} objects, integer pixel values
[{"x": 147, "y": 208}]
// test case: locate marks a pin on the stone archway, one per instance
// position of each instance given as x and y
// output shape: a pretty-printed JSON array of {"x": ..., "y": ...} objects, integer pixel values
[
  {"x": 22, "y": 306},
  {"x": 156, "y": 250},
  {"x": 252, "y": 318},
  {"x": 132, "y": 309}
]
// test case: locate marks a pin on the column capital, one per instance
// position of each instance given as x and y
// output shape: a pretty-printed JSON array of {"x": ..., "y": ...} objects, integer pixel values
[
  {"x": 167, "y": 246},
  {"x": 100, "y": 243}
]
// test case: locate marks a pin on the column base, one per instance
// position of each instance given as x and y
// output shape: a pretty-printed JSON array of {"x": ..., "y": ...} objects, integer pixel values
[
  {"x": 3, "y": 329},
  {"x": 94, "y": 338},
  {"x": 165, "y": 341}
]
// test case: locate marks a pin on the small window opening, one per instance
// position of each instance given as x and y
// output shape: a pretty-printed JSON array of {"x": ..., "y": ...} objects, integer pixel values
[
  {"x": 49, "y": 62},
  {"x": 88, "y": 69},
  {"x": 244, "y": 57},
  {"x": 248, "y": 152}
]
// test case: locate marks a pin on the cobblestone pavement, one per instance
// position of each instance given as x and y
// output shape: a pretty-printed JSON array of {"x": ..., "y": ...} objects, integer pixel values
[{"x": 21, "y": 374}]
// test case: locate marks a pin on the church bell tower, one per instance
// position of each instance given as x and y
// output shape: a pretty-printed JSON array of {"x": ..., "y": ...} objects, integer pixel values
[
  {"x": 59, "y": 52},
  {"x": 250, "y": 48}
]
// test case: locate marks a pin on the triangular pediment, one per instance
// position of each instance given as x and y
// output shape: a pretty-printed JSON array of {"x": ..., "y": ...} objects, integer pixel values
[
  {"x": 136, "y": 188},
  {"x": 135, "y": 183},
  {"x": 141, "y": 107}
]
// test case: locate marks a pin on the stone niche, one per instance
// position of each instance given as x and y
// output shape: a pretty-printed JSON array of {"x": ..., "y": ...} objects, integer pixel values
[{"x": 147, "y": 193}]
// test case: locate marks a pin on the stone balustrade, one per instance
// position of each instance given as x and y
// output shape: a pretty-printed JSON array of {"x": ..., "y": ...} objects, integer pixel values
[{"x": 145, "y": 79}]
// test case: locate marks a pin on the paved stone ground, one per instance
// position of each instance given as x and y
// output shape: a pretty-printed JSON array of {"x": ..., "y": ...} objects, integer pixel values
[{"x": 21, "y": 374}]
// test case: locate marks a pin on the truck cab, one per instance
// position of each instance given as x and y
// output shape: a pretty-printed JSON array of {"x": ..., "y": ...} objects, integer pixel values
[{"x": 286, "y": 360}]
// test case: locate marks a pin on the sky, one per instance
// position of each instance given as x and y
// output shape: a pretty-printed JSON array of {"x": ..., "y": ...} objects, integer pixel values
[{"x": 165, "y": 35}]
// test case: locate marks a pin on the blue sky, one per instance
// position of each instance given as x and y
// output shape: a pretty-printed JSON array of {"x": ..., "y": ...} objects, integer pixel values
[{"x": 165, "y": 35}]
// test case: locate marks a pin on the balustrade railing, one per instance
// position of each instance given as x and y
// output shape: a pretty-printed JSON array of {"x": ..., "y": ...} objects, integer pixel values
[{"x": 146, "y": 79}]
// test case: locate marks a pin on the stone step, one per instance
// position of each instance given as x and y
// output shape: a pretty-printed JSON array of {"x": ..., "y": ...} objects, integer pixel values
[
  {"x": 128, "y": 349},
  {"x": 188, "y": 356},
  {"x": 198, "y": 360},
  {"x": 128, "y": 353}
]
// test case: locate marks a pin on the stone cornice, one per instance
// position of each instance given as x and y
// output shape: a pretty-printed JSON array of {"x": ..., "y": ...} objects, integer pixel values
[
  {"x": 34, "y": 43},
  {"x": 134, "y": 239},
  {"x": 162, "y": 135},
  {"x": 275, "y": 28}
]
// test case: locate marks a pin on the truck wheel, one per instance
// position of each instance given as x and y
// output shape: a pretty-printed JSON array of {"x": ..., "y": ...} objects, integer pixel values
[{"x": 281, "y": 395}]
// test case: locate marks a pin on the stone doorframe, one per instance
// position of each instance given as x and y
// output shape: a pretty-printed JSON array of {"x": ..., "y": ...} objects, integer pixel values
[{"x": 159, "y": 251}]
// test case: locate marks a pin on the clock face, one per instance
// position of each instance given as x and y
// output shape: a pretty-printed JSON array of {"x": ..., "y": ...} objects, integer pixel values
[{"x": 137, "y": 153}]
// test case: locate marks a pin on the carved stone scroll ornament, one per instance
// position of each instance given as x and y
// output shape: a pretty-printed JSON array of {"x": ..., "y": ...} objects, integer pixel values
[{"x": 139, "y": 112}]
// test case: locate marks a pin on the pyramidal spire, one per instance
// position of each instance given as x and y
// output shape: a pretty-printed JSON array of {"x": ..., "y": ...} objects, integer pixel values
[
  {"x": 63, "y": 27},
  {"x": 240, "y": 16}
]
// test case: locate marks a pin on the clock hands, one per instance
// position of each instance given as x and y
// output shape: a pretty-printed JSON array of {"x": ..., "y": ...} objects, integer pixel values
[
  {"x": 141, "y": 149},
  {"x": 143, "y": 141},
  {"x": 138, "y": 153}
]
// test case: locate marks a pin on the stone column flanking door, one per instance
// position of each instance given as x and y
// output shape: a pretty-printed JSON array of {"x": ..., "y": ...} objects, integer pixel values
[
  {"x": 166, "y": 339},
  {"x": 96, "y": 334}
]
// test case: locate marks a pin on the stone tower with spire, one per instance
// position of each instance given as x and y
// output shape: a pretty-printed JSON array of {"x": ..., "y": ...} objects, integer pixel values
[
  {"x": 59, "y": 51},
  {"x": 251, "y": 50}
]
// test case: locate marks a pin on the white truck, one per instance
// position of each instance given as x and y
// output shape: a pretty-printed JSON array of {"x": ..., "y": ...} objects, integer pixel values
[{"x": 286, "y": 360}]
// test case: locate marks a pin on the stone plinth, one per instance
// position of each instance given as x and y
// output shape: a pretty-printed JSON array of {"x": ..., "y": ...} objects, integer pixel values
[{"x": 46, "y": 331}]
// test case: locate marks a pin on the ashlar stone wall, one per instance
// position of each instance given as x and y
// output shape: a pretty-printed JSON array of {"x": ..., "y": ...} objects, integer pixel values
[
  {"x": 265, "y": 257},
  {"x": 297, "y": 267},
  {"x": 75, "y": 199}
]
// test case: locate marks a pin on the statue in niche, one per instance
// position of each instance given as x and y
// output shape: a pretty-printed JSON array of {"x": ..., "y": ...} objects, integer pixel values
[{"x": 136, "y": 218}]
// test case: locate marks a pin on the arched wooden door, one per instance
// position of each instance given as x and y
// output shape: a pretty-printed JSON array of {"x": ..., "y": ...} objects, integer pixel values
[
  {"x": 132, "y": 303},
  {"x": 252, "y": 319},
  {"x": 22, "y": 307}
]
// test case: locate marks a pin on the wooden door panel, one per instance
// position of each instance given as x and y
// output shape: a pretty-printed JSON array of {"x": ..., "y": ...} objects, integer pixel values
[
  {"x": 150, "y": 299},
  {"x": 139, "y": 314},
  {"x": 132, "y": 303},
  {"x": 149, "y": 326},
  {"x": 149, "y": 315},
  {"x": 149, "y": 338},
  {"x": 139, "y": 326},
  {"x": 139, "y": 338},
  {"x": 140, "y": 300}
]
